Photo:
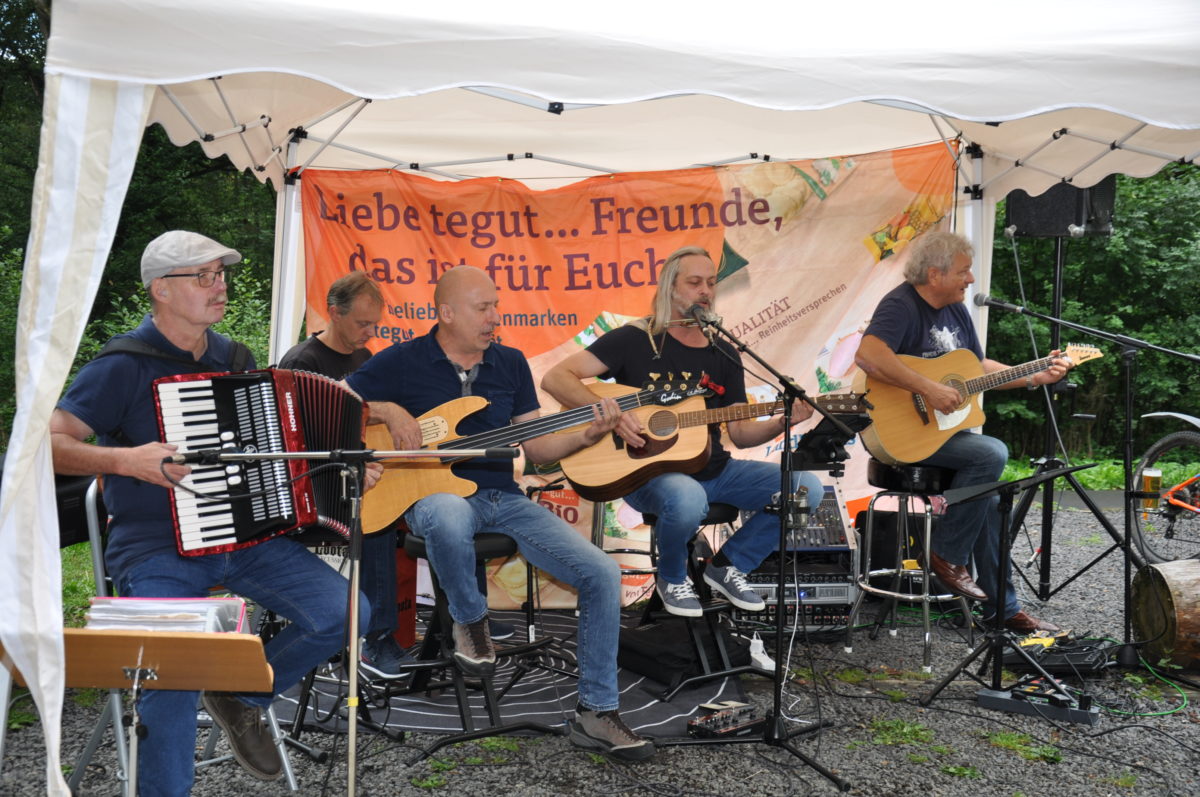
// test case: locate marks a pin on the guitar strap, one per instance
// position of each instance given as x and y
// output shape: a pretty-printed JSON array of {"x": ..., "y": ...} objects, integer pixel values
[{"x": 467, "y": 377}]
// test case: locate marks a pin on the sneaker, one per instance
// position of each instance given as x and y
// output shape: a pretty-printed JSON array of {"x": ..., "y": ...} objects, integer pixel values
[
  {"x": 500, "y": 629},
  {"x": 680, "y": 599},
  {"x": 249, "y": 737},
  {"x": 383, "y": 658},
  {"x": 731, "y": 582},
  {"x": 473, "y": 648},
  {"x": 605, "y": 732}
]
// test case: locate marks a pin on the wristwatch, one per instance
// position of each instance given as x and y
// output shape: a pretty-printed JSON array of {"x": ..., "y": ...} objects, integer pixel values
[{"x": 1029, "y": 383}]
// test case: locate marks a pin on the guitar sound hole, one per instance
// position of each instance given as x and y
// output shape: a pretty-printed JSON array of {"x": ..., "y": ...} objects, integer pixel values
[
  {"x": 959, "y": 385},
  {"x": 662, "y": 423}
]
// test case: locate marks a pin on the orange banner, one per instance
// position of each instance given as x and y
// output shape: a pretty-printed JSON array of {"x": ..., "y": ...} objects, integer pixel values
[
  {"x": 556, "y": 256},
  {"x": 805, "y": 250}
]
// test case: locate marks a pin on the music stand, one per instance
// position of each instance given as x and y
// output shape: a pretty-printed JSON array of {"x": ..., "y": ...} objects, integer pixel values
[
  {"x": 1058, "y": 703},
  {"x": 183, "y": 660}
]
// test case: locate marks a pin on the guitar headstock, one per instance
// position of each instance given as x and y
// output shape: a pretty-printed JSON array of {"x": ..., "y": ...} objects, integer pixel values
[
  {"x": 1078, "y": 353},
  {"x": 672, "y": 391},
  {"x": 843, "y": 403}
]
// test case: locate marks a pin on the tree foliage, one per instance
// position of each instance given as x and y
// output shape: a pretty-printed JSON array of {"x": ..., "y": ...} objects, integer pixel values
[{"x": 171, "y": 188}]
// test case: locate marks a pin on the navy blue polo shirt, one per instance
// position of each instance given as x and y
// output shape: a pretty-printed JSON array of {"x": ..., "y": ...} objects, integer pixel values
[
  {"x": 113, "y": 396},
  {"x": 417, "y": 375}
]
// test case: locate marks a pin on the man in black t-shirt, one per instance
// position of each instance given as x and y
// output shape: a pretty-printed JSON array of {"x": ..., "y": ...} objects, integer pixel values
[
  {"x": 355, "y": 306},
  {"x": 925, "y": 317},
  {"x": 670, "y": 341}
]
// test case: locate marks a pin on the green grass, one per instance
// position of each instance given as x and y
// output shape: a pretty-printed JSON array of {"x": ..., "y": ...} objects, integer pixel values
[
  {"x": 77, "y": 586},
  {"x": 1108, "y": 474},
  {"x": 21, "y": 713},
  {"x": 900, "y": 732},
  {"x": 1147, "y": 688},
  {"x": 1125, "y": 781},
  {"x": 1022, "y": 744}
]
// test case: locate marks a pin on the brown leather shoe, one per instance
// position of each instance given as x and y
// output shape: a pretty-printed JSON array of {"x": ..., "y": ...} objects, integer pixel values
[
  {"x": 1023, "y": 623},
  {"x": 956, "y": 578}
]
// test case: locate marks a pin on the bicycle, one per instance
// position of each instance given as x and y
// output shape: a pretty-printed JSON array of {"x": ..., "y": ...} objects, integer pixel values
[{"x": 1167, "y": 528}]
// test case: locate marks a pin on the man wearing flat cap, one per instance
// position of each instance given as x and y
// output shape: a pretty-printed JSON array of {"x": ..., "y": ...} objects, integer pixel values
[{"x": 111, "y": 398}]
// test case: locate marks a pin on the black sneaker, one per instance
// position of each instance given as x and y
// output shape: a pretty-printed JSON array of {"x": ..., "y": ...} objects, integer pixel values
[
  {"x": 383, "y": 659},
  {"x": 249, "y": 737},
  {"x": 605, "y": 732},
  {"x": 500, "y": 629},
  {"x": 473, "y": 648}
]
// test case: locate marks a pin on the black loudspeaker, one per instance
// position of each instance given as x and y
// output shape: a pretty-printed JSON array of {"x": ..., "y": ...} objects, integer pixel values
[{"x": 1062, "y": 211}]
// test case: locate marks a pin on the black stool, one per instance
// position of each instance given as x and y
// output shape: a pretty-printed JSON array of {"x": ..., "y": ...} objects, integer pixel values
[
  {"x": 437, "y": 651},
  {"x": 718, "y": 514},
  {"x": 905, "y": 483}
]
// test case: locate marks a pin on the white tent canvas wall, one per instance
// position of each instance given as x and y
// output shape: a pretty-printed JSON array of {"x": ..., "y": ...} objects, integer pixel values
[{"x": 545, "y": 93}]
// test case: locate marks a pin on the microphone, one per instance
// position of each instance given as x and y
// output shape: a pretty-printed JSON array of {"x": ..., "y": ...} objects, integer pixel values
[
  {"x": 1010, "y": 231},
  {"x": 698, "y": 312},
  {"x": 983, "y": 300},
  {"x": 205, "y": 456}
]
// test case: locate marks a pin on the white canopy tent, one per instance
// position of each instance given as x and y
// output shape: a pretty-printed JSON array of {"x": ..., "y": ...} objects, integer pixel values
[{"x": 545, "y": 93}]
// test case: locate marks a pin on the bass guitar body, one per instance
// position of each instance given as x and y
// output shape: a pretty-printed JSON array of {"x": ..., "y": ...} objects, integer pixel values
[{"x": 406, "y": 481}]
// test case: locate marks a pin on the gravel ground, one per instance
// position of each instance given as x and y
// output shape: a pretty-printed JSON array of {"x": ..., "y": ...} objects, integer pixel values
[{"x": 879, "y": 739}]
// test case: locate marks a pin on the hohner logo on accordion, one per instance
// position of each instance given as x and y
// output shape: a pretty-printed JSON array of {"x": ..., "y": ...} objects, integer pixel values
[{"x": 247, "y": 502}]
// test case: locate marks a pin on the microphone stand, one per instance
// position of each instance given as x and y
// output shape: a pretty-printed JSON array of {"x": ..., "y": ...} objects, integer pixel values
[
  {"x": 353, "y": 470},
  {"x": 1130, "y": 348},
  {"x": 774, "y": 732}
]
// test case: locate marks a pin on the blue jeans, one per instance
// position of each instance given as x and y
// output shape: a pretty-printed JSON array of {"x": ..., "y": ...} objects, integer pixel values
[
  {"x": 280, "y": 575},
  {"x": 973, "y": 527},
  {"x": 681, "y": 502},
  {"x": 378, "y": 571},
  {"x": 449, "y": 524}
]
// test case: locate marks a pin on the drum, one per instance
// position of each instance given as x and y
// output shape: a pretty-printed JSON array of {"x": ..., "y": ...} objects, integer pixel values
[{"x": 1166, "y": 612}]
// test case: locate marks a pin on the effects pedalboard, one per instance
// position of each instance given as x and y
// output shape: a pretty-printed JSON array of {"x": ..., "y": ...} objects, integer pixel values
[
  {"x": 728, "y": 719},
  {"x": 1036, "y": 696}
]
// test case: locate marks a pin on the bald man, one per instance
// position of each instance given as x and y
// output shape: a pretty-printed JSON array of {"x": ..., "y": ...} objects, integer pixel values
[{"x": 460, "y": 357}]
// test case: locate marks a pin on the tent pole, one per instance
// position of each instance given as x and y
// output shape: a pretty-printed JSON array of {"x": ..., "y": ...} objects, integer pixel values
[{"x": 286, "y": 293}]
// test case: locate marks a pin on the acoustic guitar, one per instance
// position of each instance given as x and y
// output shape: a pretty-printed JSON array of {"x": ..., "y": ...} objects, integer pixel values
[
  {"x": 404, "y": 482},
  {"x": 903, "y": 429},
  {"x": 676, "y": 440}
]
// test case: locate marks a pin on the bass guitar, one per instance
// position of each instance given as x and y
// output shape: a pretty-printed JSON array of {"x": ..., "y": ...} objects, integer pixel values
[
  {"x": 676, "y": 440},
  {"x": 903, "y": 429},
  {"x": 405, "y": 482}
]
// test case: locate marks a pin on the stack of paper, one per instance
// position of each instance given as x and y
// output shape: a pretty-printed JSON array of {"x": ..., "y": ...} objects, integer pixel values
[{"x": 167, "y": 614}]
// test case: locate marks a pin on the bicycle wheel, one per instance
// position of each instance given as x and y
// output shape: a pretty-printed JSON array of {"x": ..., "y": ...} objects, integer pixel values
[{"x": 1169, "y": 528}]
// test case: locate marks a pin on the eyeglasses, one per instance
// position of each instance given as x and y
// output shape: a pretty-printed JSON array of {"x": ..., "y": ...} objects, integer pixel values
[{"x": 204, "y": 278}]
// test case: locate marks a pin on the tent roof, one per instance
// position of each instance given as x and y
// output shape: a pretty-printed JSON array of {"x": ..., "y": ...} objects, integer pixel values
[{"x": 652, "y": 85}]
